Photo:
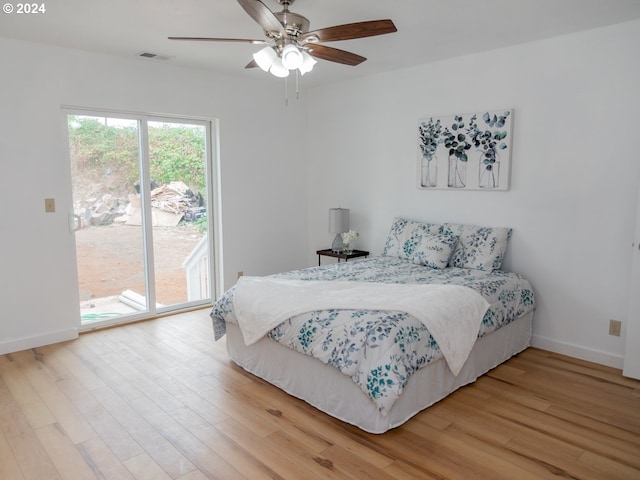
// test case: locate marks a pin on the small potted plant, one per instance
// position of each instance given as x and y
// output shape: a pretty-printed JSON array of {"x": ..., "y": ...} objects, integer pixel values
[
  {"x": 347, "y": 238},
  {"x": 429, "y": 134}
]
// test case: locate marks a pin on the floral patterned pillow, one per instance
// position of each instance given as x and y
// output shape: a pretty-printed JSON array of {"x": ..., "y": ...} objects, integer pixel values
[
  {"x": 405, "y": 236},
  {"x": 434, "y": 251},
  {"x": 480, "y": 248}
]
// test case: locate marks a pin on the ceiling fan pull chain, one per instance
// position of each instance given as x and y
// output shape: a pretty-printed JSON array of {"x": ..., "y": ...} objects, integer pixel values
[
  {"x": 297, "y": 84},
  {"x": 286, "y": 92}
]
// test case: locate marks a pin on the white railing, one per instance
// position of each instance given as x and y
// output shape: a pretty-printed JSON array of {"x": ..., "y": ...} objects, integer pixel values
[{"x": 197, "y": 270}]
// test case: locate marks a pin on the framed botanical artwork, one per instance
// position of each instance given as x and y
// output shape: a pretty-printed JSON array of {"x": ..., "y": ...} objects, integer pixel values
[{"x": 465, "y": 152}]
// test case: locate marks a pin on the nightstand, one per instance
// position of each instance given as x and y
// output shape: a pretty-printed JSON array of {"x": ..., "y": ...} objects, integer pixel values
[{"x": 354, "y": 254}]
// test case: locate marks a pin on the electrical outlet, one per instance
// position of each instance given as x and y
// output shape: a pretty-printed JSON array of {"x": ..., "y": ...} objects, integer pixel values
[
  {"x": 614, "y": 327},
  {"x": 49, "y": 205}
]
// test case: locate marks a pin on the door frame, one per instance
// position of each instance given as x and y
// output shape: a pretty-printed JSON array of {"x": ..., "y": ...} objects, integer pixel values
[
  {"x": 214, "y": 232},
  {"x": 631, "y": 365}
]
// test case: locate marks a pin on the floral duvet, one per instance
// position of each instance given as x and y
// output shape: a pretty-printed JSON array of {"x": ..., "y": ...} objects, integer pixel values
[{"x": 380, "y": 350}]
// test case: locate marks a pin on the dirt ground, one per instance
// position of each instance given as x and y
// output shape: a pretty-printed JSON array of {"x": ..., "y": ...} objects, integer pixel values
[{"x": 110, "y": 261}]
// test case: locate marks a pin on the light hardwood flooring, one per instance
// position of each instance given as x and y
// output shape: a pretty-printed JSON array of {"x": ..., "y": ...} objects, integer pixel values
[{"x": 160, "y": 400}]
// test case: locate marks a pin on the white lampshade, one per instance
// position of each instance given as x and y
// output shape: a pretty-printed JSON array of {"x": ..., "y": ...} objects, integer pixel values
[
  {"x": 307, "y": 64},
  {"x": 338, "y": 224},
  {"x": 278, "y": 69},
  {"x": 265, "y": 58},
  {"x": 291, "y": 57},
  {"x": 338, "y": 220}
]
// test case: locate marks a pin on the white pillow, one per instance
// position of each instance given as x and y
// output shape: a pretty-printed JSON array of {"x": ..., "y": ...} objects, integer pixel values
[
  {"x": 405, "y": 235},
  {"x": 480, "y": 248},
  {"x": 435, "y": 250}
]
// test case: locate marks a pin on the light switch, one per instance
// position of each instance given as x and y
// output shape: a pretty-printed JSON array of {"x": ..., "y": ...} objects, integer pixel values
[{"x": 50, "y": 205}]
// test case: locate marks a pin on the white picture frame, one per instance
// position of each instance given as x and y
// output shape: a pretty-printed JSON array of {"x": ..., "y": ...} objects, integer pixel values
[{"x": 469, "y": 151}]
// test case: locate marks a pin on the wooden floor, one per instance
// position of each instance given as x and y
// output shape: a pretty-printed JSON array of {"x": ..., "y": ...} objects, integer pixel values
[{"x": 160, "y": 400}]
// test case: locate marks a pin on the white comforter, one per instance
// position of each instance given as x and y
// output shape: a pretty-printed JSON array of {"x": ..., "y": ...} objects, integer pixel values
[{"x": 452, "y": 313}]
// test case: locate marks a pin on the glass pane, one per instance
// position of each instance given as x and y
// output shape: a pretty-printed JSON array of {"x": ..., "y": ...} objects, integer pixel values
[
  {"x": 177, "y": 162},
  {"x": 104, "y": 153}
]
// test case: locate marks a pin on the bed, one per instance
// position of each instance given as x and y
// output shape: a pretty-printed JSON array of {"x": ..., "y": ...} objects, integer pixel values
[{"x": 376, "y": 361}]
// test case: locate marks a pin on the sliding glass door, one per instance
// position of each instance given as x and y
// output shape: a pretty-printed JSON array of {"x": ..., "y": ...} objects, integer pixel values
[
  {"x": 179, "y": 212},
  {"x": 141, "y": 190}
]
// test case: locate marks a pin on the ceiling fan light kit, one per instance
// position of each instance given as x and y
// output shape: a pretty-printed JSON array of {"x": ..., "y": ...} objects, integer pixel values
[
  {"x": 291, "y": 46},
  {"x": 290, "y": 59}
]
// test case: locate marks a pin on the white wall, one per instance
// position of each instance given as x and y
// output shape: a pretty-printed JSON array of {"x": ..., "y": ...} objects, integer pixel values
[
  {"x": 263, "y": 200},
  {"x": 575, "y": 169}
]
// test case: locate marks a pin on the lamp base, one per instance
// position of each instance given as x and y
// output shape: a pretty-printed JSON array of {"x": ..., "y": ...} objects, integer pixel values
[{"x": 338, "y": 245}]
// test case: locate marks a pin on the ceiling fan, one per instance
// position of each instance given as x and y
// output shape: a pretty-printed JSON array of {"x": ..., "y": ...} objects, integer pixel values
[{"x": 290, "y": 44}]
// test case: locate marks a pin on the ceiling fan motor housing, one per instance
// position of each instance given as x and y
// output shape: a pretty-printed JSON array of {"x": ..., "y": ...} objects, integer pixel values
[{"x": 294, "y": 24}]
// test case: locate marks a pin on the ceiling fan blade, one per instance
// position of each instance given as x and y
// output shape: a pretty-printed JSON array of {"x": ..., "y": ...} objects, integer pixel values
[
  {"x": 263, "y": 16},
  {"x": 350, "y": 31},
  {"x": 334, "y": 54},
  {"x": 251, "y": 64},
  {"x": 211, "y": 39}
]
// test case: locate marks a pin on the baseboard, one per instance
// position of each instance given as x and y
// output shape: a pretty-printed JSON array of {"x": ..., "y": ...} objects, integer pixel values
[
  {"x": 26, "y": 343},
  {"x": 545, "y": 343},
  {"x": 577, "y": 351}
]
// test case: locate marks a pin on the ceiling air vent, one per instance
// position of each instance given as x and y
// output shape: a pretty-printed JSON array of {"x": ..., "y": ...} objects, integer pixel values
[{"x": 153, "y": 55}]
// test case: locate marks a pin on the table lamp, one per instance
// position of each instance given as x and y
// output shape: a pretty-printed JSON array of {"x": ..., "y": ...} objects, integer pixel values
[{"x": 338, "y": 224}]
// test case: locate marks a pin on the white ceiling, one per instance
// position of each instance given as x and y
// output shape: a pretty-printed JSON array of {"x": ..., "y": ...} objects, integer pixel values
[{"x": 428, "y": 30}]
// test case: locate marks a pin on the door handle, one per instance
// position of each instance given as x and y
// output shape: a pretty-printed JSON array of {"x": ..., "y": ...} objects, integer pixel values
[{"x": 75, "y": 222}]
